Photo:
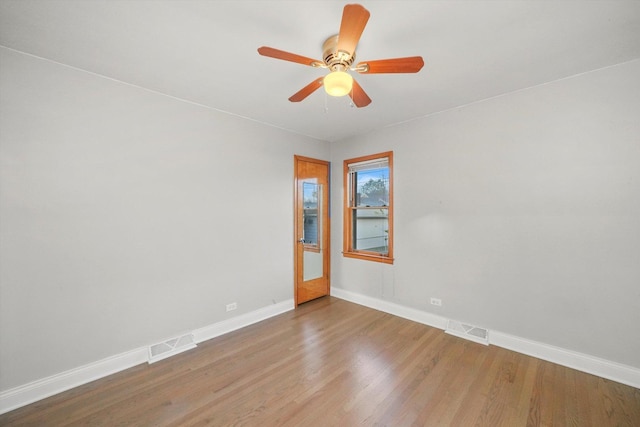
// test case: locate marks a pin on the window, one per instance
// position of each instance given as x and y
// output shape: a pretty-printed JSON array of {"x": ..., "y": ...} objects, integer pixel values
[{"x": 368, "y": 207}]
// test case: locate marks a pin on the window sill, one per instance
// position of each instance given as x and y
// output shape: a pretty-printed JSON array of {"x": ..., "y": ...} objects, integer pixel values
[{"x": 368, "y": 257}]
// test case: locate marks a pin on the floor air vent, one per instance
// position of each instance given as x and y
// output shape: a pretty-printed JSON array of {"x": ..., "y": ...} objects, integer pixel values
[
  {"x": 169, "y": 348},
  {"x": 469, "y": 332}
]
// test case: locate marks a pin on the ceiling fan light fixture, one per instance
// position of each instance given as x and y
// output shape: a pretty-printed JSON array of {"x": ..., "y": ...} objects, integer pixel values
[{"x": 338, "y": 83}]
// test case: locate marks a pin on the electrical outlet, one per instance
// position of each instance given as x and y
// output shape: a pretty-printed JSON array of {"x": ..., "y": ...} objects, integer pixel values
[
  {"x": 436, "y": 301},
  {"x": 232, "y": 306}
]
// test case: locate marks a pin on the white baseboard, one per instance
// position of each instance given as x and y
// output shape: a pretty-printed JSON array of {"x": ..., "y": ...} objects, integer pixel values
[
  {"x": 582, "y": 362},
  {"x": 46, "y": 387},
  {"x": 238, "y": 322},
  {"x": 391, "y": 308}
]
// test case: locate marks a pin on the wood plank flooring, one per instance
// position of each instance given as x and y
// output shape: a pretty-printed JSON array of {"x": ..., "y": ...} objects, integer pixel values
[{"x": 334, "y": 363}]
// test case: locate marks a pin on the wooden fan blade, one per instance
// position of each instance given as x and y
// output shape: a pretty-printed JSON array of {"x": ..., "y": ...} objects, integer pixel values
[
  {"x": 411, "y": 64},
  {"x": 307, "y": 90},
  {"x": 359, "y": 96},
  {"x": 281, "y": 54},
  {"x": 354, "y": 19}
]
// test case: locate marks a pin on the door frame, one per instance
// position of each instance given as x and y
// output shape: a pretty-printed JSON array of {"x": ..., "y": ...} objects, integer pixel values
[{"x": 326, "y": 226}]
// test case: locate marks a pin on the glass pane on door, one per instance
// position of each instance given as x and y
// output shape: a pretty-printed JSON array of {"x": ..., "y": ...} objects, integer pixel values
[
  {"x": 310, "y": 198},
  {"x": 312, "y": 267}
]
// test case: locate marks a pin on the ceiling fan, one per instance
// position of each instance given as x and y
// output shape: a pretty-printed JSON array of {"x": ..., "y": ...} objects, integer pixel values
[{"x": 339, "y": 54}]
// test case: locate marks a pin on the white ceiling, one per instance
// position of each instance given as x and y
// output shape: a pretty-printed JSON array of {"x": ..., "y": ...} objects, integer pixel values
[{"x": 205, "y": 51}]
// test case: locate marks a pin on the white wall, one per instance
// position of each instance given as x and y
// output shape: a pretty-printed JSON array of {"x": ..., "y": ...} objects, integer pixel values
[
  {"x": 127, "y": 217},
  {"x": 521, "y": 212}
]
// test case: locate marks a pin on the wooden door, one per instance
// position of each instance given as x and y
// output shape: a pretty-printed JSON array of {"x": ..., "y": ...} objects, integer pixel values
[{"x": 311, "y": 263}]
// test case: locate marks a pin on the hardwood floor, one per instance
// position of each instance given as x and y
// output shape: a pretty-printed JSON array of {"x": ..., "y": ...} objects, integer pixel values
[{"x": 334, "y": 363}]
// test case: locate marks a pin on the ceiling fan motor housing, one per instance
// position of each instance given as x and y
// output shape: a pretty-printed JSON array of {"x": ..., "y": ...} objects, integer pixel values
[{"x": 336, "y": 60}]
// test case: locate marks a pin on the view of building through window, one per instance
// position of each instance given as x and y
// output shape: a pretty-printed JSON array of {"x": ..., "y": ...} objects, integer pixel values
[{"x": 371, "y": 222}]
